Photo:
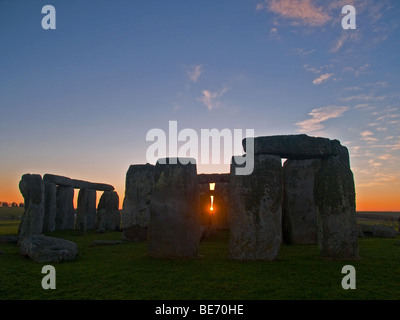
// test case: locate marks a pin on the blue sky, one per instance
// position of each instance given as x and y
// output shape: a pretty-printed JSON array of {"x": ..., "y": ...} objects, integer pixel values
[{"x": 79, "y": 100}]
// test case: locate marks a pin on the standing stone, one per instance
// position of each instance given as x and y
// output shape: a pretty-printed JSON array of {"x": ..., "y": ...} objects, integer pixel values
[
  {"x": 108, "y": 215},
  {"x": 174, "y": 228},
  {"x": 50, "y": 206},
  {"x": 299, "y": 219},
  {"x": 255, "y": 210},
  {"x": 136, "y": 207},
  {"x": 65, "y": 216},
  {"x": 86, "y": 214},
  {"x": 32, "y": 189},
  {"x": 334, "y": 195}
]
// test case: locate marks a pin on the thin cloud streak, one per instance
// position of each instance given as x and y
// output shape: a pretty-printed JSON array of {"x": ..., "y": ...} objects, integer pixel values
[
  {"x": 322, "y": 78},
  {"x": 210, "y": 99},
  {"x": 368, "y": 136},
  {"x": 194, "y": 73},
  {"x": 300, "y": 12},
  {"x": 318, "y": 116}
]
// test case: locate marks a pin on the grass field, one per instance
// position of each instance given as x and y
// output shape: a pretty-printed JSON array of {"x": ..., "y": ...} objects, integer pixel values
[
  {"x": 11, "y": 213},
  {"x": 125, "y": 272}
]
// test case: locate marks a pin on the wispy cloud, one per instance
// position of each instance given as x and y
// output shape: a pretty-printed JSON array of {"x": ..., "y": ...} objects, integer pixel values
[
  {"x": 368, "y": 136},
  {"x": 364, "y": 97},
  {"x": 386, "y": 156},
  {"x": 379, "y": 178},
  {"x": 210, "y": 99},
  {"x": 351, "y": 38},
  {"x": 339, "y": 43},
  {"x": 355, "y": 88},
  {"x": 314, "y": 70},
  {"x": 194, "y": 72},
  {"x": 299, "y": 12},
  {"x": 364, "y": 107},
  {"x": 373, "y": 163},
  {"x": 322, "y": 78},
  {"x": 273, "y": 33},
  {"x": 303, "y": 52},
  {"x": 357, "y": 70},
  {"x": 318, "y": 116}
]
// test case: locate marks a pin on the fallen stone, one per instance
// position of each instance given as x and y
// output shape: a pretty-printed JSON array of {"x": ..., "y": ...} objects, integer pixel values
[
  {"x": 297, "y": 147},
  {"x": 45, "y": 249},
  {"x": 255, "y": 210},
  {"x": 174, "y": 225},
  {"x": 77, "y": 184}
]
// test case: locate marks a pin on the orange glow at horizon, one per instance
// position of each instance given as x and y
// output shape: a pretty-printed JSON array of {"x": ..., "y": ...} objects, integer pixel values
[{"x": 377, "y": 198}]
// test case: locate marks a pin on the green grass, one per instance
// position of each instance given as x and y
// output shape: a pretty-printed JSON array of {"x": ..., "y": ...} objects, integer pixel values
[
  {"x": 11, "y": 213},
  {"x": 126, "y": 272}
]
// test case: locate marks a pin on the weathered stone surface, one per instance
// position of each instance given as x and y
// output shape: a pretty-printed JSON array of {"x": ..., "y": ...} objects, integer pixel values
[
  {"x": 298, "y": 147},
  {"x": 174, "y": 228},
  {"x": 208, "y": 232},
  {"x": 135, "y": 233},
  {"x": 299, "y": 219},
  {"x": 86, "y": 213},
  {"x": 65, "y": 215},
  {"x": 108, "y": 215},
  {"x": 77, "y": 184},
  {"x": 44, "y": 249},
  {"x": 214, "y": 177},
  {"x": 50, "y": 206},
  {"x": 334, "y": 195},
  {"x": 255, "y": 210},
  {"x": 32, "y": 189},
  {"x": 136, "y": 207}
]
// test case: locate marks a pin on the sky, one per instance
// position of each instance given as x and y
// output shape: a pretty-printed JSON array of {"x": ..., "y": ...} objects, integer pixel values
[{"x": 79, "y": 100}]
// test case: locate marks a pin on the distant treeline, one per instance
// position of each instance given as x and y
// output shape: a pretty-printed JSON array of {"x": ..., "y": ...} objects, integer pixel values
[
  {"x": 378, "y": 215},
  {"x": 11, "y": 204}
]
